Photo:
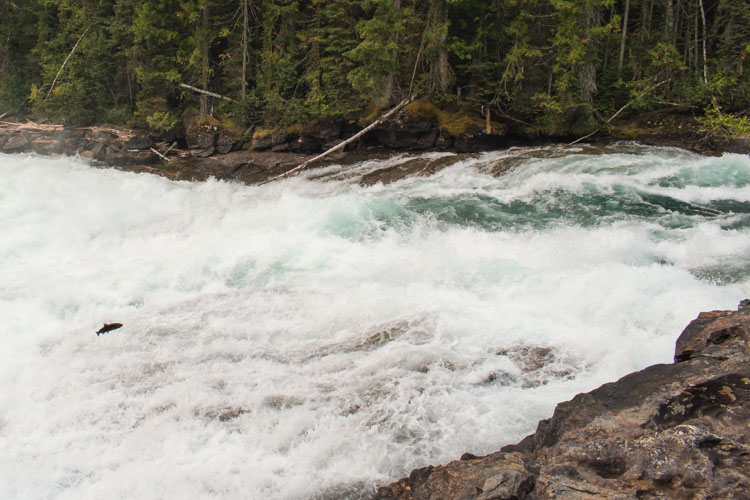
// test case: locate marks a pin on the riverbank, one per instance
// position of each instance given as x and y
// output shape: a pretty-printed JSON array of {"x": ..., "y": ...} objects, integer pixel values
[
  {"x": 212, "y": 149},
  {"x": 671, "y": 430}
]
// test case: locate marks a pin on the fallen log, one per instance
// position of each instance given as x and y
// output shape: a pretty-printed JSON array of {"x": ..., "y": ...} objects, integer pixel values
[
  {"x": 66, "y": 62},
  {"x": 343, "y": 144},
  {"x": 617, "y": 113},
  {"x": 29, "y": 125},
  {"x": 201, "y": 91},
  {"x": 159, "y": 154}
]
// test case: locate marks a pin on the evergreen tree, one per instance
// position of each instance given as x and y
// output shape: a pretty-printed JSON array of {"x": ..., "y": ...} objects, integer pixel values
[{"x": 563, "y": 64}]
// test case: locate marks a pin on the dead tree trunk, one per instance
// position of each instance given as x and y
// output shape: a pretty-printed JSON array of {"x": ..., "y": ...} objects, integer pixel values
[
  {"x": 342, "y": 144},
  {"x": 205, "y": 44},
  {"x": 66, "y": 62},
  {"x": 624, "y": 35},
  {"x": 705, "y": 51},
  {"x": 617, "y": 113},
  {"x": 204, "y": 92}
]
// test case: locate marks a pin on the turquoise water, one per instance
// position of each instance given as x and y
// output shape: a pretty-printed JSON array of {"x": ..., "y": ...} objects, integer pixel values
[{"x": 314, "y": 338}]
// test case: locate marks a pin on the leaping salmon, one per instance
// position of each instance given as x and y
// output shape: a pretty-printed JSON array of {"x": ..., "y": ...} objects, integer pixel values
[{"x": 108, "y": 327}]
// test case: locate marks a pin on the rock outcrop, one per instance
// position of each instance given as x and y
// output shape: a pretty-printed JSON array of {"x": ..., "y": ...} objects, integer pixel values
[{"x": 669, "y": 431}]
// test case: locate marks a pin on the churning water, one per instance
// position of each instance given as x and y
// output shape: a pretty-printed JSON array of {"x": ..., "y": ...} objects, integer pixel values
[{"x": 315, "y": 339}]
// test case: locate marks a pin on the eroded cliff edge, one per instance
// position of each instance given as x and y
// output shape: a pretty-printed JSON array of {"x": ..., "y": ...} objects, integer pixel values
[{"x": 675, "y": 430}]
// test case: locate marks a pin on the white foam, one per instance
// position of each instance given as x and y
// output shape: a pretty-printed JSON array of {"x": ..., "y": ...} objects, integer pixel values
[{"x": 306, "y": 338}]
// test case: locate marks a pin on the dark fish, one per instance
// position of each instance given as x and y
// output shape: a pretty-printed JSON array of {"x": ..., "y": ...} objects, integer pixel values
[{"x": 108, "y": 327}]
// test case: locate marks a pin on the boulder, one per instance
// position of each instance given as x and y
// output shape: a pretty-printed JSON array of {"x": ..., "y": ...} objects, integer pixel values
[
  {"x": 415, "y": 166},
  {"x": 304, "y": 143},
  {"x": 426, "y": 140},
  {"x": 326, "y": 132},
  {"x": 269, "y": 140},
  {"x": 16, "y": 143},
  {"x": 444, "y": 140},
  {"x": 471, "y": 140},
  {"x": 739, "y": 145},
  {"x": 204, "y": 139},
  {"x": 669, "y": 431},
  {"x": 72, "y": 145},
  {"x": 45, "y": 146},
  {"x": 202, "y": 153},
  {"x": 227, "y": 142},
  {"x": 138, "y": 141},
  {"x": 98, "y": 151}
]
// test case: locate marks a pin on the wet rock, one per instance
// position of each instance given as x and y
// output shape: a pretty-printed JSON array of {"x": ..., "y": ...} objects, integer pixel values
[
  {"x": 98, "y": 150},
  {"x": 304, "y": 144},
  {"x": 227, "y": 142},
  {"x": 137, "y": 142},
  {"x": 69, "y": 133},
  {"x": 444, "y": 140},
  {"x": 250, "y": 167},
  {"x": 416, "y": 166},
  {"x": 72, "y": 145},
  {"x": 470, "y": 141},
  {"x": 669, "y": 431},
  {"x": 130, "y": 158},
  {"x": 203, "y": 153},
  {"x": 46, "y": 146},
  {"x": 16, "y": 143},
  {"x": 262, "y": 142},
  {"x": 327, "y": 132},
  {"x": 103, "y": 135},
  {"x": 426, "y": 140},
  {"x": 204, "y": 140},
  {"x": 412, "y": 137},
  {"x": 739, "y": 145}
]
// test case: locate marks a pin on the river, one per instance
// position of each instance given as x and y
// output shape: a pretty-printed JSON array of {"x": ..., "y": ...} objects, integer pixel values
[{"x": 314, "y": 338}]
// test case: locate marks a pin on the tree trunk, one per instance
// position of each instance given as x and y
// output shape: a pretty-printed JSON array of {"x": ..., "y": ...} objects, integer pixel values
[
  {"x": 645, "y": 24},
  {"x": 205, "y": 43},
  {"x": 244, "y": 46},
  {"x": 624, "y": 34},
  {"x": 705, "y": 51},
  {"x": 669, "y": 20},
  {"x": 440, "y": 71},
  {"x": 390, "y": 79},
  {"x": 696, "y": 56}
]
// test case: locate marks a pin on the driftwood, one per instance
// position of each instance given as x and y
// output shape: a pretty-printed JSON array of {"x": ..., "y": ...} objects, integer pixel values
[
  {"x": 615, "y": 115},
  {"x": 206, "y": 92},
  {"x": 66, "y": 62},
  {"x": 159, "y": 154},
  {"x": 29, "y": 125},
  {"x": 342, "y": 144},
  {"x": 170, "y": 148}
]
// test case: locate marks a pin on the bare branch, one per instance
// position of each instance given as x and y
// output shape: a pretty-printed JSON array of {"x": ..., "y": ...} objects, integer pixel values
[
  {"x": 342, "y": 144},
  {"x": 66, "y": 62}
]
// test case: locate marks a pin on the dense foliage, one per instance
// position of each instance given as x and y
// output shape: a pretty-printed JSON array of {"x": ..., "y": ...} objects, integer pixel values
[{"x": 560, "y": 64}]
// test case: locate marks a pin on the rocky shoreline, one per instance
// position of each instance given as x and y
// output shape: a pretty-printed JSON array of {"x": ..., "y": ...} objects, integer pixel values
[
  {"x": 675, "y": 430},
  {"x": 212, "y": 150}
]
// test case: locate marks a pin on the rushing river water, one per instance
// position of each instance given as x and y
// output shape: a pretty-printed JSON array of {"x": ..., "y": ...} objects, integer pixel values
[{"x": 315, "y": 339}]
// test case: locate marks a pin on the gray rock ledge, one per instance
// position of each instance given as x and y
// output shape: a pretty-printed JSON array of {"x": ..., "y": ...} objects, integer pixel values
[{"x": 679, "y": 430}]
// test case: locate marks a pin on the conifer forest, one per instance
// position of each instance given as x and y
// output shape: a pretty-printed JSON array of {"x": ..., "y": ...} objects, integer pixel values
[{"x": 557, "y": 64}]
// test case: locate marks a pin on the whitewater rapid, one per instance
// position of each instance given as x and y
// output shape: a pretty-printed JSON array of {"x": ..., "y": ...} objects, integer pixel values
[{"x": 314, "y": 339}]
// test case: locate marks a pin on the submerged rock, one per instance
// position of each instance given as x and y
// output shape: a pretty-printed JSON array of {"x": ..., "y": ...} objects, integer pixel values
[
  {"x": 669, "y": 431},
  {"x": 415, "y": 166}
]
